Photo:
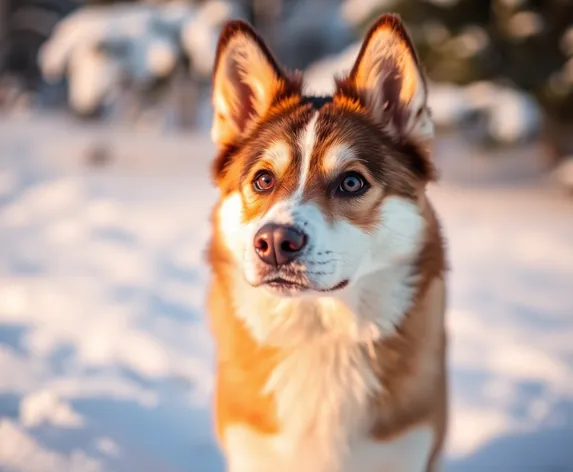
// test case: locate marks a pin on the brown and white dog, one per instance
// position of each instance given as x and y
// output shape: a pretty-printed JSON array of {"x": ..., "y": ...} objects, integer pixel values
[{"x": 328, "y": 295}]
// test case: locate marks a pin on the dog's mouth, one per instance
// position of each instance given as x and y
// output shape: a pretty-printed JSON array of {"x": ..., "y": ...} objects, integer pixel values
[
  {"x": 286, "y": 286},
  {"x": 280, "y": 284}
]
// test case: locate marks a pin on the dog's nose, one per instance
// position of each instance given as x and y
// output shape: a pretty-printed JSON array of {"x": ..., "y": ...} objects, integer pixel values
[{"x": 277, "y": 245}]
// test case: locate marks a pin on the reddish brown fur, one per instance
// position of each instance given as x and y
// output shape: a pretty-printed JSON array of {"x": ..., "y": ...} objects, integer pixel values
[
  {"x": 392, "y": 22},
  {"x": 243, "y": 367},
  {"x": 410, "y": 397},
  {"x": 393, "y": 166},
  {"x": 426, "y": 398},
  {"x": 388, "y": 164}
]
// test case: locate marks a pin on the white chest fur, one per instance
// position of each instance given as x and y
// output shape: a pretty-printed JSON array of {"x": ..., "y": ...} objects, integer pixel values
[
  {"x": 322, "y": 391},
  {"x": 249, "y": 452}
]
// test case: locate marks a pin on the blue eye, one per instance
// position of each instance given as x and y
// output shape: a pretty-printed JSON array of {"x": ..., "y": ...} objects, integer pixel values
[{"x": 352, "y": 184}]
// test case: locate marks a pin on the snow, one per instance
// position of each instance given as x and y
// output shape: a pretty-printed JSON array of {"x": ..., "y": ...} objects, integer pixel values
[
  {"x": 314, "y": 29},
  {"x": 45, "y": 406},
  {"x": 356, "y": 12},
  {"x": 19, "y": 451},
  {"x": 99, "y": 47},
  {"x": 318, "y": 78},
  {"x": 513, "y": 116},
  {"x": 105, "y": 352},
  {"x": 449, "y": 105},
  {"x": 200, "y": 33},
  {"x": 107, "y": 446}
]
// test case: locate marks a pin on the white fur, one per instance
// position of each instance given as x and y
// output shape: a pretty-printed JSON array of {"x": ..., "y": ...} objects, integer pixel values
[
  {"x": 307, "y": 142},
  {"x": 376, "y": 263},
  {"x": 408, "y": 452},
  {"x": 324, "y": 381},
  {"x": 250, "y": 452},
  {"x": 278, "y": 156},
  {"x": 323, "y": 385},
  {"x": 336, "y": 157}
]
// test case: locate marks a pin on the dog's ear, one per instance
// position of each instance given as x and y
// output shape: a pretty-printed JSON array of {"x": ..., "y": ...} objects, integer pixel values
[
  {"x": 247, "y": 79},
  {"x": 388, "y": 78}
]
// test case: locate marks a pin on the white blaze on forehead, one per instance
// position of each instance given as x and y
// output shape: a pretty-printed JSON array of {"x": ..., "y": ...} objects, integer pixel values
[
  {"x": 307, "y": 143},
  {"x": 337, "y": 157},
  {"x": 278, "y": 155}
]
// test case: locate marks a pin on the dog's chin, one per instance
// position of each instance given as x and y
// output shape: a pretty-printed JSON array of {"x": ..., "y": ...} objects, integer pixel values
[{"x": 281, "y": 287}]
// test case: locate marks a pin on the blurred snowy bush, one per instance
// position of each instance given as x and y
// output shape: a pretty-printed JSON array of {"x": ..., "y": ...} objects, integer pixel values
[
  {"x": 100, "y": 48},
  {"x": 509, "y": 116}
]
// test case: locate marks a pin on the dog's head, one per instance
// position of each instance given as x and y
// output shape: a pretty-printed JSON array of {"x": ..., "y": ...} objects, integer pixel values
[{"x": 319, "y": 192}]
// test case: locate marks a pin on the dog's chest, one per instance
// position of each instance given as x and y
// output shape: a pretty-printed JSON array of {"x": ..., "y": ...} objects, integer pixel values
[
  {"x": 322, "y": 394},
  {"x": 248, "y": 451}
]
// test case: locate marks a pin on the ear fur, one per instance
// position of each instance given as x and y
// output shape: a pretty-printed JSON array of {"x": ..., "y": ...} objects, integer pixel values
[
  {"x": 388, "y": 78},
  {"x": 247, "y": 80}
]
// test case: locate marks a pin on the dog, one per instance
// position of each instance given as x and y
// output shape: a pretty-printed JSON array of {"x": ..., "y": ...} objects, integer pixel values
[{"x": 328, "y": 288}]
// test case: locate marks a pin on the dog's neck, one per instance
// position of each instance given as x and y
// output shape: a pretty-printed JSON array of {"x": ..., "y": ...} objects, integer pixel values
[
  {"x": 326, "y": 349},
  {"x": 362, "y": 313}
]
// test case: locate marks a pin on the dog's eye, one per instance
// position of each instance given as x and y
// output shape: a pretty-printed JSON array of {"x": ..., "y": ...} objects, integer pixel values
[
  {"x": 264, "y": 181},
  {"x": 353, "y": 184}
]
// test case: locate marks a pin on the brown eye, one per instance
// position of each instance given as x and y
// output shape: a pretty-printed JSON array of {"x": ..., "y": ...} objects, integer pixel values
[
  {"x": 264, "y": 181},
  {"x": 352, "y": 183}
]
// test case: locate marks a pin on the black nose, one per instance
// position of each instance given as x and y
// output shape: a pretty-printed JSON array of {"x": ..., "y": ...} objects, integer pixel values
[{"x": 277, "y": 245}]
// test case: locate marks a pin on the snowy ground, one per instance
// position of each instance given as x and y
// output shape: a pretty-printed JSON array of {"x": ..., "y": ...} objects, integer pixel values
[{"x": 105, "y": 357}]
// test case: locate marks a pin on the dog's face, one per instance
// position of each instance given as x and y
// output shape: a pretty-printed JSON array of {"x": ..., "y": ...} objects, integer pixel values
[{"x": 319, "y": 192}]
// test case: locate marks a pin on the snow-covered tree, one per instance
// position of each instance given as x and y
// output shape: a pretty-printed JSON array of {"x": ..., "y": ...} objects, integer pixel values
[{"x": 101, "y": 48}]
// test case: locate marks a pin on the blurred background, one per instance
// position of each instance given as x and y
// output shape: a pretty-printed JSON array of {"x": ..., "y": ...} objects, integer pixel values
[{"x": 105, "y": 353}]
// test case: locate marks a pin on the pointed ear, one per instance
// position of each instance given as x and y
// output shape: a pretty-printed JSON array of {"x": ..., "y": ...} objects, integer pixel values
[
  {"x": 388, "y": 77},
  {"x": 247, "y": 79}
]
